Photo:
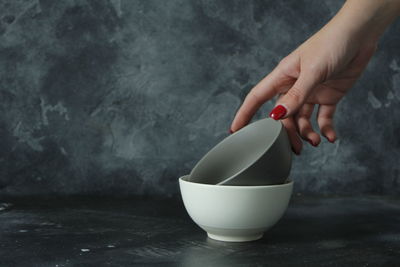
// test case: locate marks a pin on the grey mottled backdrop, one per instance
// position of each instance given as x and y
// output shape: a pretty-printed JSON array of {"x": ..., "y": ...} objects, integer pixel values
[{"x": 121, "y": 97}]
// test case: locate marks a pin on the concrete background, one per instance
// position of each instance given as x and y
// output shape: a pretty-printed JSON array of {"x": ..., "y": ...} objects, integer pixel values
[{"x": 122, "y": 97}]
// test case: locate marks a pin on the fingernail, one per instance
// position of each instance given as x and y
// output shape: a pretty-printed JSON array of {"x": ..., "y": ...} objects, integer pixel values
[
  {"x": 312, "y": 143},
  {"x": 331, "y": 140},
  {"x": 278, "y": 112},
  {"x": 230, "y": 131}
]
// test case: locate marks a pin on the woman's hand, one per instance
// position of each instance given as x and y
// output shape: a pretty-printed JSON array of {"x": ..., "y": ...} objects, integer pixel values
[{"x": 320, "y": 72}]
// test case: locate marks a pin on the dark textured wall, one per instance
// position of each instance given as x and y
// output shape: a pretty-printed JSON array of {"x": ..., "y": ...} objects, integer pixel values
[{"x": 122, "y": 97}]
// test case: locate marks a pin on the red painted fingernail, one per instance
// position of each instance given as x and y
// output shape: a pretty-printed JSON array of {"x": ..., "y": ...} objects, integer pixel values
[
  {"x": 312, "y": 143},
  {"x": 331, "y": 140},
  {"x": 278, "y": 112},
  {"x": 230, "y": 131}
]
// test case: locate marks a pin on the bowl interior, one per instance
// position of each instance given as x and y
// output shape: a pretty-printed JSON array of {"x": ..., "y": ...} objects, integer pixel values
[
  {"x": 236, "y": 152},
  {"x": 187, "y": 179}
]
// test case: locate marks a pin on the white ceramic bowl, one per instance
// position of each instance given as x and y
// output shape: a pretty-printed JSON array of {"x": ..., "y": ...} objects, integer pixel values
[{"x": 235, "y": 213}]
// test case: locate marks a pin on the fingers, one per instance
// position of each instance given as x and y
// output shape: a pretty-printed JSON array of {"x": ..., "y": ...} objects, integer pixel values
[
  {"x": 262, "y": 92},
  {"x": 325, "y": 121},
  {"x": 295, "y": 97},
  {"x": 300, "y": 126},
  {"x": 303, "y": 120},
  {"x": 294, "y": 139}
]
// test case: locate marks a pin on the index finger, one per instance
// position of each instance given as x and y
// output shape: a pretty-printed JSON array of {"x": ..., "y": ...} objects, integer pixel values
[{"x": 266, "y": 89}]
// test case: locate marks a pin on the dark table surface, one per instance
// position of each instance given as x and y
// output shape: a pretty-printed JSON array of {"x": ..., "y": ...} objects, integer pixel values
[{"x": 315, "y": 231}]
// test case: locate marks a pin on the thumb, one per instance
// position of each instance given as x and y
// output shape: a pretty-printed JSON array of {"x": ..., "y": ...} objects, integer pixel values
[{"x": 295, "y": 97}]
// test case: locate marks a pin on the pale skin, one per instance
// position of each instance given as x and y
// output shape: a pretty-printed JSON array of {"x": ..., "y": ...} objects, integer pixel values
[{"x": 321, "y": 71}]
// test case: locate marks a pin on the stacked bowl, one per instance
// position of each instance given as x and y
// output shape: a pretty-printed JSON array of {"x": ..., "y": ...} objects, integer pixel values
[{"x": 240, "y": 188}]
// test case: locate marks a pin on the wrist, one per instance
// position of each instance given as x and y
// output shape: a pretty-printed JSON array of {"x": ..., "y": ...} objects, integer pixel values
[{"x": 367, "y": 19}]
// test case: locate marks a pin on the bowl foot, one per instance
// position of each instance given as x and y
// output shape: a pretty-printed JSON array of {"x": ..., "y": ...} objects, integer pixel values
[{"x": 231, "y": 238}]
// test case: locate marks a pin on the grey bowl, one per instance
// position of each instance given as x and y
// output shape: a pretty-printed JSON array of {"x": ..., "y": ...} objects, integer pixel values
[{"x": 258, "y": 154}]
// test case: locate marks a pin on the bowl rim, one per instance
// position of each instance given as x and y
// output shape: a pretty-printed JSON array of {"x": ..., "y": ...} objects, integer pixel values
[
  {"x": 231, "y": 136},
  {"x": 287, "y": 183}
]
